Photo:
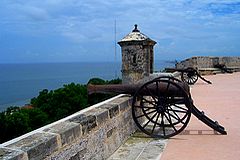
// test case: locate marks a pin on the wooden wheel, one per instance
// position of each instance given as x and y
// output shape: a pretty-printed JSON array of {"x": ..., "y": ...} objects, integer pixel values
[
  {"x": 159, "y": 113},
  {"x": 190, "y": 76}
]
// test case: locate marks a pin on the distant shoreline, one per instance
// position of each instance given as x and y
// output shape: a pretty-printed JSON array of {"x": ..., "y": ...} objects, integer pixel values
[{"x": 21, "y": 82}]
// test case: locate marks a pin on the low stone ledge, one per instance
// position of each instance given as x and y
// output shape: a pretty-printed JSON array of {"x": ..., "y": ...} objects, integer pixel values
[
  {"x": 122, "y": 102},
  {"x": 93, "y": 133},
  {"x": 38, "y": 145},
  {"x": 113, "y": 109},
  {"x": 10, "y": 154},
  {"x": 68, "y": 131},
  {"x": 88, "y": 122},
  {"x": 101, "y": 115}
]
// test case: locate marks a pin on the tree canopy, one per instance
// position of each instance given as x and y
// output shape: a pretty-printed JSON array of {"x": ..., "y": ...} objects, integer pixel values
[{"x": 48, "y": 107}]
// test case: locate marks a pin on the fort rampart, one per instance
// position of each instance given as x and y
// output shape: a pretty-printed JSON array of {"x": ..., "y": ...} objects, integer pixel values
[
  {"x": 209, "y": 62},
  {"x": 93, "y": 133}
]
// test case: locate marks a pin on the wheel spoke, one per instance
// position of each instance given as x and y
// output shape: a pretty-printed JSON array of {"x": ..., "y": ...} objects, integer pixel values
[
  {"x": 162, "y": 124},
  {"x": 149, "y": 101},
  {"x": 175, "y": 114},
  {"x": 155, "y": 123},
  {"x": 146, "y": 113},
  {"x": 185, "y": 109},
  {"x": 192, "y": 80},
  {"x": 170, "y": 121},
  {"x": 150, "y": 120},
  {"x": 151, "y": 94},
  {"x": 176, "y": 101},
  {"x": 180, "y": 111},
  {"x": 143, "y": 107},
  {"x": 175, "y": 117}
]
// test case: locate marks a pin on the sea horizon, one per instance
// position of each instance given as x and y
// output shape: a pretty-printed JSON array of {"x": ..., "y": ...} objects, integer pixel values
[{"x": 19, "y": 82}]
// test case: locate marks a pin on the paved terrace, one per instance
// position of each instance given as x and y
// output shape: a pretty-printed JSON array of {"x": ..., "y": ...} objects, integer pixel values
[
  {"x": 220, "y": 101},
  {"x": 96, "y": 132}
]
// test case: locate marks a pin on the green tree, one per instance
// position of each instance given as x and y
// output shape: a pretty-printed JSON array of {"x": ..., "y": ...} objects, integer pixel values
[
  {"x": 19, "y": 121},
  {"x": 96, "y": 81},
  {"x": 49, "y": 106},
  {"x": 115, "y": 81},
  {"x": 61, "y": 102}
]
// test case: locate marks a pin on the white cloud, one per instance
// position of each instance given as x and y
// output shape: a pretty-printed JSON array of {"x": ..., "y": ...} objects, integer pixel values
[{"x": 172, "y": 23}]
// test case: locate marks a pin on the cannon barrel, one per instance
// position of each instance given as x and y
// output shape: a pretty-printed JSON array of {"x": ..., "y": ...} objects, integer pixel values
[
  {"x": 163, "y": 88},
  {"x": 113, "y": 88}
]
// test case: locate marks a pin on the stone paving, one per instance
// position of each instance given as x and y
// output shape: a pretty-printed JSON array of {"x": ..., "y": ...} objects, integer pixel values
[
  {"x": 220, "y": 101},
  {"x": 140, "y": 147}
]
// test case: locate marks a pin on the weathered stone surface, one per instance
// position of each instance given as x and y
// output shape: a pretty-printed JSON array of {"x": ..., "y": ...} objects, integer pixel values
[
  {"x": 75, "y": 149},
  {"x": 141, "y": 147},
  {"x": 112, "y": 140},
  {"x": 122, "y": 102},
  {"x": 209, "y": 62},
  {"x": 110, "y": 132},
  {"x": 137, "y": 57},
  {"x": 69, "y": 131},
  {"x": 88, "y": 122},
  {"x": 38, "y": 145},
  {"x": 79, "y": 155},
  {"x": 10, "y": 154},
  {"x": 101, "y": 115},
  {"x": 113, "y": 109},
  {"x": 94, "y": 134}
]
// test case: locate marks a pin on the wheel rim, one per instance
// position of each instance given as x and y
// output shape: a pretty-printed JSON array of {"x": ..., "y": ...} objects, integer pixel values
[
  {"x": 190, "y": 77},
  {"x": 158, "y": 114}
]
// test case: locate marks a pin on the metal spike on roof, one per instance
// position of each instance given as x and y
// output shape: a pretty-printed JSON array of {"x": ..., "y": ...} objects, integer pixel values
[{"x": 135, "y": 35}]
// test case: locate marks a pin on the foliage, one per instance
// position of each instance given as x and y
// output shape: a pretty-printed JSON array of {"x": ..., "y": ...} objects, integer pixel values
[
  {"x": 47, "y": 107},
  {"x": 16, "y": 122},
  {"x": 96, "y": 81},
  {"x": 61, "y": 102},
  {"x": 114, "y": 81},
  {"x": 99, "y": 81}
]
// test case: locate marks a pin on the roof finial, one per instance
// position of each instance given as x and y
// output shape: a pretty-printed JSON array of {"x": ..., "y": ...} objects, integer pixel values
[{"x": 135, "y": 29}]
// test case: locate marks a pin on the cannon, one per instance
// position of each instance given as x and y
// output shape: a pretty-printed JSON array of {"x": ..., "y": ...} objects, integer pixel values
[
  {"x": 162, "y": 107},
  {"x": 189, "y": 75},
  {"x": 223, "y": 68}
]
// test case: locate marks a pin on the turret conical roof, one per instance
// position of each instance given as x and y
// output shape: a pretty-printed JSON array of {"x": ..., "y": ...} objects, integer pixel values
[{"x": 135, "y": 35}]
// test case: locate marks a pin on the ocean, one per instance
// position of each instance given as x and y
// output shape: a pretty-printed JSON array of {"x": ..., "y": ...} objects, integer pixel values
[{"x": 21, "y": 82}]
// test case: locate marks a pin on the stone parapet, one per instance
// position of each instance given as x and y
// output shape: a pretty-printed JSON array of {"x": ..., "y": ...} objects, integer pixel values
[
  {"x": 93, "y": 133},
  {"x": 209, "y": 62}
]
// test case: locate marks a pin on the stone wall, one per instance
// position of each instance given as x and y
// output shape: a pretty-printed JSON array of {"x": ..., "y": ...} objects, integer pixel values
[
  {"x": 209, "y": 62},
  {"x": 137, "y": 62},
  {"x": 93, "y": 133}
]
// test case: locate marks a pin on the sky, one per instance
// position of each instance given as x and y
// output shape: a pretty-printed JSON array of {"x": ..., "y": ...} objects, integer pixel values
[{"x": 35, "y": 31}]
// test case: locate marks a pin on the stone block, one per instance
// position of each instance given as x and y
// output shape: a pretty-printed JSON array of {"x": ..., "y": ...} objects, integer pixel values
[
  {"x": 79, "y": 155},
  {"x": 122, "y": 102},
  {"x": 38, "y": 145},
  {"x": 111, "y": 131},
  {"x": 88, "y": 122},
  {"x": 113, "y": 109},
  {"x": 68, "y": 131},
  {"x": 101, "y": 115},
  {"x": 112, "y": 142},
  {"x": 10, "y": 154}
]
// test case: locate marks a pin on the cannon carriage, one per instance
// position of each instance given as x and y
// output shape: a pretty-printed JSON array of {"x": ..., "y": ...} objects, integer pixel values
[
  {"x": 189, "y": 75},
  {"x": 162, "y": 107}
]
